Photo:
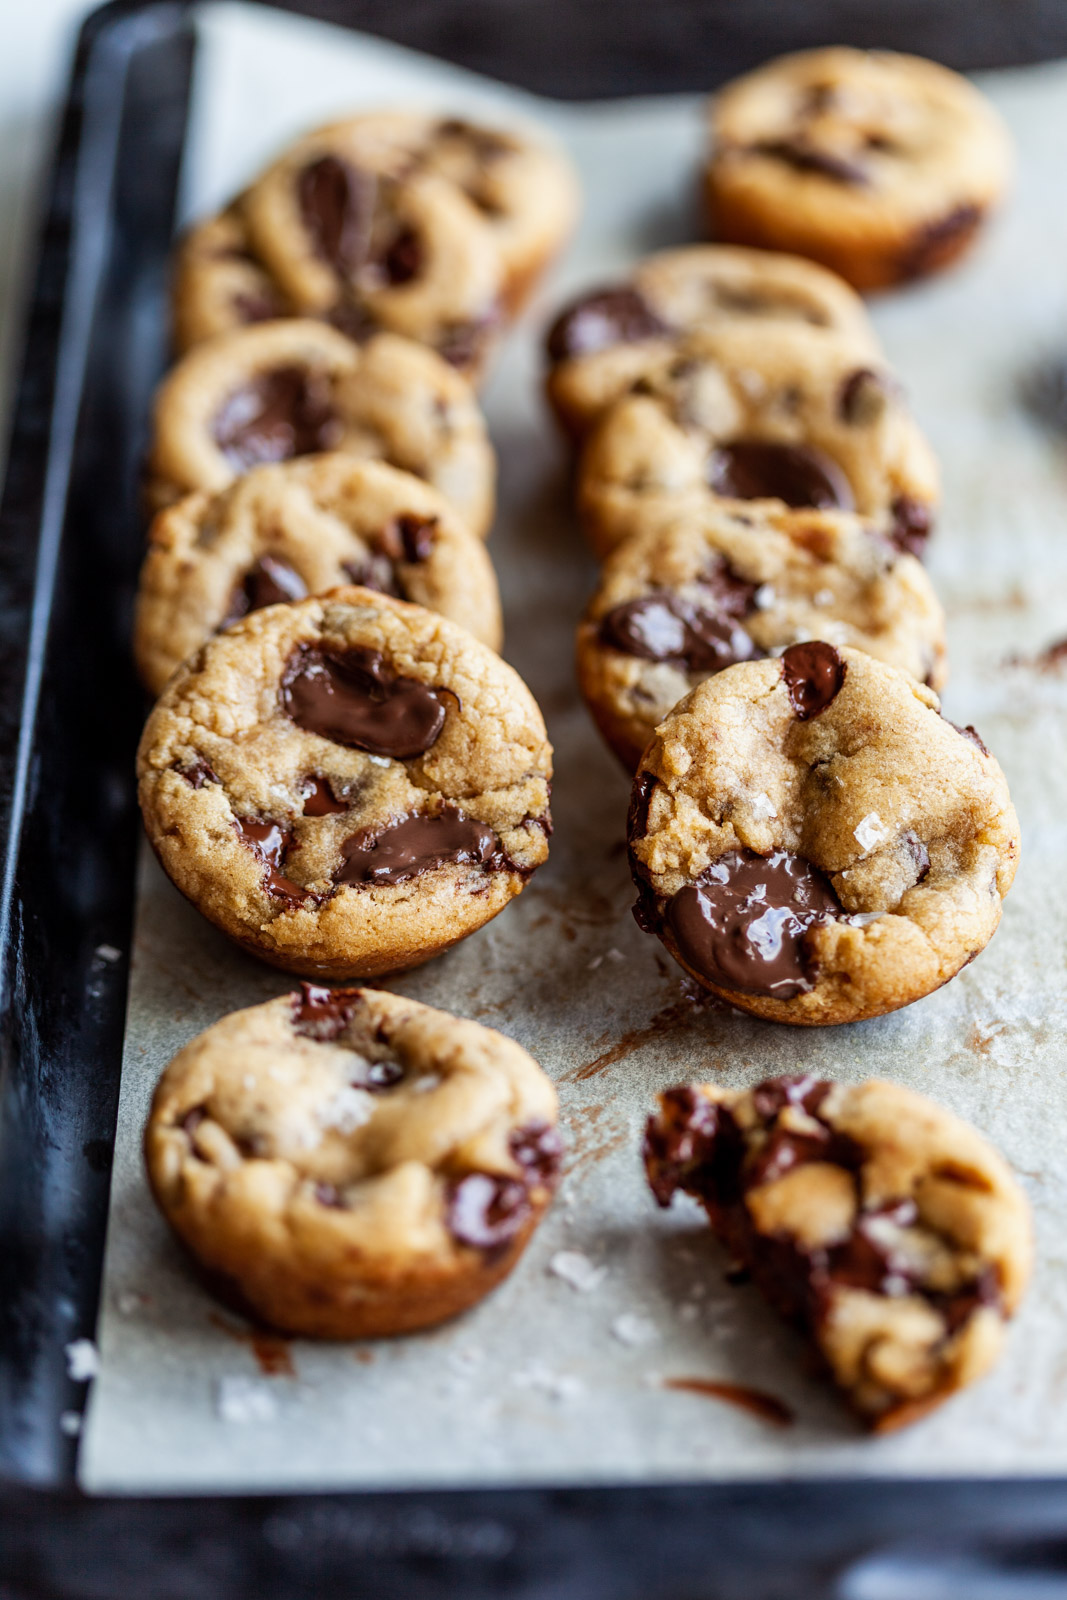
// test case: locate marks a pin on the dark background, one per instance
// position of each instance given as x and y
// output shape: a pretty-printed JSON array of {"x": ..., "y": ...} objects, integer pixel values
[{"x": 582, "y": 49}]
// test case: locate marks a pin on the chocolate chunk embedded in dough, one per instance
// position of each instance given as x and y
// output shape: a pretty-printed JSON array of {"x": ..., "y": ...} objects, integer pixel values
[
  {"x": 610, "y": 316},
  {"x": 415, "y": 845},
  {"x": 813, "y": 673},
  {"x": 356, "y": 700},
  {"x": 743, "y": 924},
  {"x": 755, "y": 469},
  {"x": 283, "y": 413},
  {"x": 336, "y": 206}
]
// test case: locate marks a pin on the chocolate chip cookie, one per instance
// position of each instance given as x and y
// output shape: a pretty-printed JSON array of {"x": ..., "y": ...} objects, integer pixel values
[
  {"x": 297, "y": 388},
  {"x": 604, "y": 341},
  {"x": 430, "y": 227},
  {"x": 349, "y": 1164},
  {"x": 346, "y": 785},
  {"x": 887, "y": 1227},
  {"x": 298, "y": 528},
  {"x": 736, "y": 413},
  {"x": 880, "y": 166},
  {"x": 679, "y": 603},
  {"x": 812, "y": 841}
]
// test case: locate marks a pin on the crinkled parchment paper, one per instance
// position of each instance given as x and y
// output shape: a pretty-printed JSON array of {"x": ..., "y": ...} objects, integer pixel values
[{"x": 546, "y": 1382}]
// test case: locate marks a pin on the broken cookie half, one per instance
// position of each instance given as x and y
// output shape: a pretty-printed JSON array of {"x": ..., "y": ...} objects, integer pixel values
[{"x": 883, "y": 1224}]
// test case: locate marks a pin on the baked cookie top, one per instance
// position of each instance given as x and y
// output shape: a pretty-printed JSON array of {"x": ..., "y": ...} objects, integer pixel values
[
  {"x": 888, "y": 1226},
  {"x": 355, "y": 1132},
  {"x": 430, "y": 227},
  {"x": 302, "y": 527},
  {"x": 296, "y": 388},
  {"x": 347, "y": 784},
  {"x": 792, "y": 417},
  {"x": 603, "y": 341},
  {"x": 880, "y": 164},
  {"x": 730, "y": 583},
  {"x": 813, "y": 840}
]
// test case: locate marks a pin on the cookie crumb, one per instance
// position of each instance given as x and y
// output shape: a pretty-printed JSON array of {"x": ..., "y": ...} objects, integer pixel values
[
  {"x": 107, "y": 952},
  {"x": 634, "y": 1330},
  {"x": 577, "y": 1270},
  {"x": 556, "y": 1385},
  {"x": 70, "y": 1423}
]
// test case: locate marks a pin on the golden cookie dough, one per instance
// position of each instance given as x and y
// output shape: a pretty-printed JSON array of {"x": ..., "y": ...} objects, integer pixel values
[
  {"x": 348, "y": 1164},
  {"x": 346, "y": 785},
  {"x": 880, "y": 166},
  {"x": 426, "y": 226},
  {"x": 679, "y": 603},
  {"x": 298, "y": 528},
  {"x": 812, "y": 841},
  {"x": 605, "y": 340},
  {"x": 887, "y": 1227},
  {"x": 790, "y": 416},
  {"x": 296, "y": 388}
]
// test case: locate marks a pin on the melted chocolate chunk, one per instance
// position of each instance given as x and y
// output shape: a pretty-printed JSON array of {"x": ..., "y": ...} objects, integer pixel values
[
  {"x": 669, "y": 627},
  {"x": 970, "y": 733},
  {"x": 354, "y": 320},
  {"x": 462, "y": 344},
  {"x": 283, "y": 413},
  {"x": 607, "y": 317},
  {"x": 862, "y": 398},
  {"x": 199, "y": 774},
  {"x": 698, "y": 1147},
  {"x": 269, "y": 583},
  {"x": 538, "y": 1149},
  {"x": 259, "y": 307},
  {"x": 680, "y": 1141},
  {"x": 486, "y": 1211},
  {"x": 268, "y": 842},
  {"x": 640, "y": 800},
  {"x": 912, "y": 522},
  {"x": 813, "y": 673},
  {"x": 803, "y": 156},
  {"x": 321, "y": 1013},
  {"x": 375, "y": 572},
  {"x": 938, "y": 242},
  {"x": 774, "y": 1094},
  {"x": 918, "y": 853},
  {"x": 743, "y": 924},
  {"x": 409, "y": 537},
  {"x": 402, "y": 259},
  {"x": 327, "y": 1195},
  {"x": 336, "y": 206},
  {"x": 415, "y": 845},
  {"x": 319, "y": 799},
  {"x": 754, "y": 469},
  {"x": 356, "y": 700}
]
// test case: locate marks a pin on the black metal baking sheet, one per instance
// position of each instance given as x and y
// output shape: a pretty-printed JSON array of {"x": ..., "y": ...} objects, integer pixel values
[{"x": 70, "y": 544}]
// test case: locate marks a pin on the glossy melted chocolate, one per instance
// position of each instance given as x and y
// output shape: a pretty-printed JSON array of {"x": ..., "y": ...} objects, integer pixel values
[
  {"x": 813, "y": 673},
  {"x": 336, "y": 206},
  {"x": 755, "y": 469},
  {"x": 268, "y": 842},
  {"x": 700, "y": 633},
  {"x": 283, "y": 413},
  {"x": 743, "y": 924},
  {"x": 356, "y": 700},
  {"x": 270, "y": 582},
  {"x": 610, "y": 316},
  {"x": 415, "y": 845},
  {"x": 696, "y": 1145},
  {"x": 322, "y": 1013}
]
